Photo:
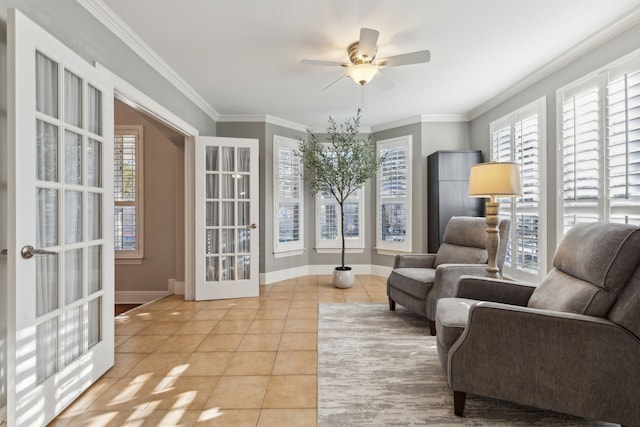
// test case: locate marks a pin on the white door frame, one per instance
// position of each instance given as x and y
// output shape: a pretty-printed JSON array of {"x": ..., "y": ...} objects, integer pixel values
[{"x": 139, "y": 101}]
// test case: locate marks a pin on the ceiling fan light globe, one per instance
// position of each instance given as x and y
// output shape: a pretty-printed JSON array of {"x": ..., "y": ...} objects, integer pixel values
[{"x": 362, "y": 73}]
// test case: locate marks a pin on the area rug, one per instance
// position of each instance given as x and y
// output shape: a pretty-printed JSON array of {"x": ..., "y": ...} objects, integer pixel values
[{"x": 381, "y": 368}]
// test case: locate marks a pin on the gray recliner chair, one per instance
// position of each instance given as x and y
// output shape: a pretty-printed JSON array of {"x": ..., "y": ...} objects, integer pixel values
[
  {"x": 571, "y": 344},
  {"x": 417, "y": 281}
]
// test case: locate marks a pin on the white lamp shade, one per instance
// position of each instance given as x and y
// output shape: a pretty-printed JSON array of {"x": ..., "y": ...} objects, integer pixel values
[
  {"x": 362, "y": 73},
  {"x": 495, "y": 179}
]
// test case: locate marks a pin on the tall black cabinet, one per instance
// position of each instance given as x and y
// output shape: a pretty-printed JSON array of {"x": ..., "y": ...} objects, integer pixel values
[{"x": 447, "y": 186}]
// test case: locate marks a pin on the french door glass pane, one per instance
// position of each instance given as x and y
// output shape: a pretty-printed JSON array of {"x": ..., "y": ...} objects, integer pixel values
[
  {"x": 244, "y": 270},
  {"x": 94, "y": 160},
  {"x": 243, "y": 160},
  {"x": 95, "y": 323},
  {"x": 72, "y": 158},
  {"x": 72, "y": 99},
  {"x": 212, "y": 186},
  {"x": 72, "y": 335},
  {"x": 227, "y": 159},
  {"x": 212, "y": 272},
  {"x": 228, "y": 241},
  {"x": 228, "y": 183},
  {"x": 94, "y": 266},
  {"x": 73, "y": 216},
  {"x": 243, "y": 186},
  {"x": 228, "y": 213},
  {"x": 211, "y": 161},
  {"x": 46, "y": 85},
  {"x": 73, "y": 275},
  {"x": 228, "y": 267},
  {"x": 212, "y": 214},
  {"x": 211, "y": 242},
  {"x": 46, "y": 349},
  {"x": 244, "y": 241},
  {"x": 47, "y": 218},
  {"x": 243, "y": 213},
  {"x": 95, "y": 111},
  {"x": 47, "y": 143},
  {"x": 46, "y": 284},
  {"x": 94, "y": 216}
]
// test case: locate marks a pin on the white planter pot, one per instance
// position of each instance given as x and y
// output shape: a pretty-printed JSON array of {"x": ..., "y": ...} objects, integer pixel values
[{"x": 343, "y": 279}]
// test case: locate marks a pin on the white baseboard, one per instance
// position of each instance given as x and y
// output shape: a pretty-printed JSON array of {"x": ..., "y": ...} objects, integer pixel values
[
  {"x": 305, "y": 270},
  {"x": 175, "y": 287},
  {"x": 138, "y": 297}
]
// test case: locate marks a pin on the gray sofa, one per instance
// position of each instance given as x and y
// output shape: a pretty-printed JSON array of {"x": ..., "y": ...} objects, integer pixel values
[
  {"x": 417, "y": 281},
  {"x": 571, "y": 344}
]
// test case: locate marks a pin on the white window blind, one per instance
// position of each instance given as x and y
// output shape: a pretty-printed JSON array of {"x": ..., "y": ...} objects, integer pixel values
[
  {"x": 128, "y": 239},
  {"x": 328, "y": 235},
  {"x": 518, "y": 137},
  {"x": 394, "y": 195},
  {"x": 288, "y": 200},
  {"x": 600, "y": 143}
]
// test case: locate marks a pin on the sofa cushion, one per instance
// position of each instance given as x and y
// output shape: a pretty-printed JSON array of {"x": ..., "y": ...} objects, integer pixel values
[
  {"x": 454, "y": 254},
  {"x": 562, "y": 292},
  {"x": 413, "y": 281}
]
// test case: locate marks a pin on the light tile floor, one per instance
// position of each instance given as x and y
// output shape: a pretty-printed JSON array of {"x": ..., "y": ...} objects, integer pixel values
[{"x": 241, "y": 362}]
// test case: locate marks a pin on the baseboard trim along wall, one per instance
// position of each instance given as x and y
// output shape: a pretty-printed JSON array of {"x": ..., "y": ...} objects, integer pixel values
[
  {"x": 305, "y": 270},
  {"x": 138, "y": 297}
]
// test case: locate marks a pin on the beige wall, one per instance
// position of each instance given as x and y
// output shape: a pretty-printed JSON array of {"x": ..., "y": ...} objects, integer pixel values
[{"x": 163, "y": 208}]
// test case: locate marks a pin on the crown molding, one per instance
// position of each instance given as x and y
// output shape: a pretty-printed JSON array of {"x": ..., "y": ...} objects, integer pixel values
[
  {"x": 606, "y": 33},
  {"x": 105, "y": 15},
  {"x": 423, "y": 118},
  {"x": 261, "y": 118}
]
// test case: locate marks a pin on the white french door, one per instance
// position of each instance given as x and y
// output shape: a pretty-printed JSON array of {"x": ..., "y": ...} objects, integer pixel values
[
  {"x": 60, "y": 216},
  {"x": 227, "y": 197}
]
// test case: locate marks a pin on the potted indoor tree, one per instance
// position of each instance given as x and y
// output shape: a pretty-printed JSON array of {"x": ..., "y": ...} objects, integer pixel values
[{"x": 339, "y": 165}]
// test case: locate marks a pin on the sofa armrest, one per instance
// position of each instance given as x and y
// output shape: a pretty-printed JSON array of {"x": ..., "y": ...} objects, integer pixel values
[
  {"x": 496, "y": 290},
  {"x": 577, "y": 364},
  {"x": 414, "y": 261},
  {"x": 445, "y": 283}
]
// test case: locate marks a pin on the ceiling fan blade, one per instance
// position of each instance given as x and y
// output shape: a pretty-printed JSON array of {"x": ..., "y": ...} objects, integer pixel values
[
  {"x": 334, "y": 82},
  {"x": 383, "y": 82},
  {"x": 405, "y": 59},
  {"x": 319, "y": 62},
  {"x": 367, "y": 44}
]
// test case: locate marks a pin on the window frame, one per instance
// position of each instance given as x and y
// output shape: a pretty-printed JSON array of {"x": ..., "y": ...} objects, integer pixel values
[
  {"x": 136, "y": 256},
  {"x": 294, "y": 248},
  {"x": 385, "y": 247},
  {"x": 509, "y": 207}
]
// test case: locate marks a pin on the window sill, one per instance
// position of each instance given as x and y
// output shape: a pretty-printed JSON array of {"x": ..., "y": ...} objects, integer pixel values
[
  {"x": 284, "y": 254},
  {"x": 392, "y": 252},
  {"x": 129, "y": 261},
  {"x": 339, "y": 250}
]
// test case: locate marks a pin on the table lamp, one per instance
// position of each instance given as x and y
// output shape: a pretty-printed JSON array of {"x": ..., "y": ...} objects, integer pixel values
[{"x": 492, "y": 181}]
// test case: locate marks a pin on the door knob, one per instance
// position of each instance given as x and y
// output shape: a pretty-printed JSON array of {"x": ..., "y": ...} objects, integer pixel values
[
  {"x": 29, "y": 251},
  {"x": 252, "y": 226}
]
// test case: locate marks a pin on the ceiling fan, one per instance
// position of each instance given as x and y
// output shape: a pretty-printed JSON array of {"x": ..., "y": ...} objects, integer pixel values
[{"x": 363, "y": 65}]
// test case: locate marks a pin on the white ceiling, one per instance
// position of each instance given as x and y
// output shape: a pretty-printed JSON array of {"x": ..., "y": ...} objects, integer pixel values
[{"x": 243, "y": 56}]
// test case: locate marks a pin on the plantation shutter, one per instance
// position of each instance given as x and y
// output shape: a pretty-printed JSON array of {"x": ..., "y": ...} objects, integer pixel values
[
  {"x": 288, "y": 197},
  {"x": 623, "y": 150}
]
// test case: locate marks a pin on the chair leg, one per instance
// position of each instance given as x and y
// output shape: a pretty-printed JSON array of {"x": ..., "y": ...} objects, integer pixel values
[
  {"x": 392, "y": 304},
  {"x": 432, "y": 327},
  {"x": 459, "y": 398}
]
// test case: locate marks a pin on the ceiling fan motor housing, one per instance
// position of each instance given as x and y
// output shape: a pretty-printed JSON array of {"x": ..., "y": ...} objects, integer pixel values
[{"x": 356, "y": 58}]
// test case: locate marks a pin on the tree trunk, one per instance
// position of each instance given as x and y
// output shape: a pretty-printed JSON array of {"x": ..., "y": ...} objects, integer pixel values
[{"x": 342, "y": 229}]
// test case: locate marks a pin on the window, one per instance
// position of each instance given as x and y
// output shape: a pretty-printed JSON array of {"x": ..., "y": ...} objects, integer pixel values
[
  {"x": 288, "y": 200},
  {"x": 393, "y": 189},
  {"x": 328, "y": 227},
  {"x": 599, "y": 140},
  {"x": 128, "y": 217},
  {"x": 520, "y": 137}
]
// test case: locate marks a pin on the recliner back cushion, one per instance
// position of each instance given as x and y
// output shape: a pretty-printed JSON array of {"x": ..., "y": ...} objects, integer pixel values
[
  {"x": 562, "y": 292},
  {"x": 592, "y": 265},
  {"x": 454, "y": 254},
  {"x": 626, "y": 310},
  {"x": 466, "y": 231}
]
